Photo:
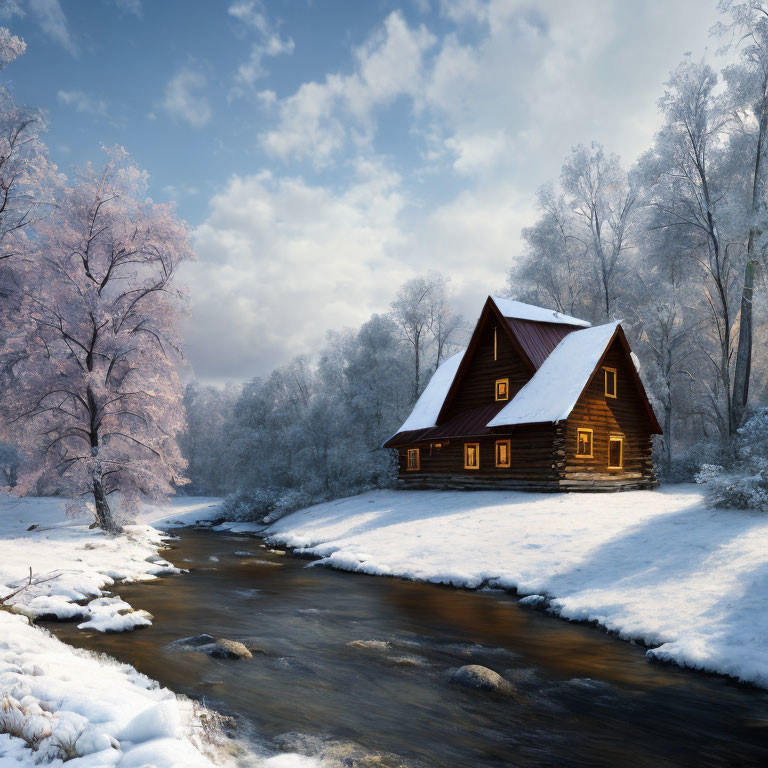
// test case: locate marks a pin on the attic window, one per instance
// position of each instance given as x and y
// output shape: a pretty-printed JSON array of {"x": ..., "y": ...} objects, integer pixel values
[
  {"x": 584, "y": 443},
  {"x": 471, "y": 455},
  {"x": 610, "y": 382},
  {"x": 615, "y": 452},
  {"x": 502, "y": 389},
  {"x": 413, "y": 462},
  {"x": 502, "y": 453}
]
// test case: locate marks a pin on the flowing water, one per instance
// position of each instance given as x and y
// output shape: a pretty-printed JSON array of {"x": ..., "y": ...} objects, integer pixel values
[{"x": 584, "y": 698}]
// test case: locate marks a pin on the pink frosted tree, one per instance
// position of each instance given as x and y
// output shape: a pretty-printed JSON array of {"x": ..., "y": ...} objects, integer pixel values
[
  {"x": 92, "y": 392},
  {"x": 26, "y": 177}
]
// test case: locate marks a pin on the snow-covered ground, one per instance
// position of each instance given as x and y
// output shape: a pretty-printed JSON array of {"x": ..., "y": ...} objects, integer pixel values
[
  {"x": 653, "y": 566},
  {"x": 58, "y": 703}
]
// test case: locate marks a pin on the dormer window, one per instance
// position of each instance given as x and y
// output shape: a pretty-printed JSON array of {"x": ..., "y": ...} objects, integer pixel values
[
  {"x": 502, "y": 389},
  {"x": 610, "y": 382}
]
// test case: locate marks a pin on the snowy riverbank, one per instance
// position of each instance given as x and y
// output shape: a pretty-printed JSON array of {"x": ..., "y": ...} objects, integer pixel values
[
  {"x": 57, "y": 702},
  {"x": 653, "y": 566}
]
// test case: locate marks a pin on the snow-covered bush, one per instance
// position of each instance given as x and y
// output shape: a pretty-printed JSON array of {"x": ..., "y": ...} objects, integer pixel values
[
  {"x": 265, "y": 505},
  {"x": 735, "y": 490},
  {"x": 687, "y": 464},
  {"x": 744, "y": 483},
  {"x": 290, "y": 501},
  {"x": 250, "y": 506}
]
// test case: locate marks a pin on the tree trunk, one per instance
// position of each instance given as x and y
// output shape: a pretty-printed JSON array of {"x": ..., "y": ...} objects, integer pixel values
[
  {"x": 743, "y": 367},
  {"x": 744, "y": 352},
  {"x": 104, "y": 516},
  {"x": 417, "y": 367}
]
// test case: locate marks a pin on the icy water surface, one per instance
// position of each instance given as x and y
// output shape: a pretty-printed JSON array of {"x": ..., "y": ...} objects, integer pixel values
[{"x": 585, "y": 698}]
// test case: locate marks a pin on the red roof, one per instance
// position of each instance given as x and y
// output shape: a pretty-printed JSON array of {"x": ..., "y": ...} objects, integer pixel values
[
  {"x": 469, "y": 423},
  {"x": 538, "y": 340}
]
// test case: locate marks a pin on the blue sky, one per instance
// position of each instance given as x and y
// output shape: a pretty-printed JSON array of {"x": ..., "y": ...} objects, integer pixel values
[{"x": 325, "y": 151}]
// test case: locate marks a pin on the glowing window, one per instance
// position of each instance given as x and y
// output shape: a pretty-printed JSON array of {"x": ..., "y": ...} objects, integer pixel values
[
  {"x": 502, "y": 453},
  {"x": 584, "y": 443},
  {"x": 471, "y": 455},
  {"x": 502, "y": 389},
  {"x": 610, "y": 382},
  {"x": 414, "y": 460},
  {"x": 615, "y": 452}
]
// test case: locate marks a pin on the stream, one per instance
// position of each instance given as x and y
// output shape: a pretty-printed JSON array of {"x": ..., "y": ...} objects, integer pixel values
[{"x": 585, "y": 698}]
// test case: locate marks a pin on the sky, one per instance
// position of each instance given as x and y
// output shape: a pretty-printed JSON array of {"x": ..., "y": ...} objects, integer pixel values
[{"x": 325, "y": 151}]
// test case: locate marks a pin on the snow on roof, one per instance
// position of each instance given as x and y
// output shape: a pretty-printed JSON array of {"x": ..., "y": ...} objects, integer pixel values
[
  {"x": 521, "y": 311},
  {"x": 427, "y": 408},
  {"x": 554, "y": 389}
]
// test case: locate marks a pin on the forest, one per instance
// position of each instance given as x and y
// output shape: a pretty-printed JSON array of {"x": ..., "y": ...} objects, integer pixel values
[{"x": 673, "y": 243}]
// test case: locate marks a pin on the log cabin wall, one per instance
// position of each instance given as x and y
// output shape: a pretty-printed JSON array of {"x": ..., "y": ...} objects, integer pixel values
[
  {"x": 625, "y": 416},
  {"x": 534, "y": 459},
  {"x": 477, "y": 386}
]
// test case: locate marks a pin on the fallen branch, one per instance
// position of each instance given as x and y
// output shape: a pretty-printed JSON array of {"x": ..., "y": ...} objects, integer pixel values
[{"x": 50, "y": 576}]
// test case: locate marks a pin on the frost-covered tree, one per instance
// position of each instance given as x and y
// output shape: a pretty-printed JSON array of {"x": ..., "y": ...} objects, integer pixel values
[
  {"x": 26, "y": 177},
  {"x": 603, "y": 203},
  {"x": 693, "y": 192},
  {"x": 91, "y": 388},
  {"x": 576, "y": 253},
  {"x": 747, "y": 100},
  {"x": 553, "y": 271},
  {"x": 421, "y": 310},
  {"x": 205, "y": 440}
]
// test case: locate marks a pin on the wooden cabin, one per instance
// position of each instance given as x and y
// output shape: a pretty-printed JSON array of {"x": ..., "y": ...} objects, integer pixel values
[{"x": 539, "y": 401}]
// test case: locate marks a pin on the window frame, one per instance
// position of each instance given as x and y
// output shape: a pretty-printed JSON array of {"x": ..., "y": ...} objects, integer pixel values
[
  {"x": 417, "y": 453},
  {"x": 505, "y": 382},
  {"x": 508, "y": 463},
  {"x": 620, "y": 440},
  {"x": 591, "y": 453},
  {"x": 476, "y": 446},
  {"x": 613, "y": 371}
]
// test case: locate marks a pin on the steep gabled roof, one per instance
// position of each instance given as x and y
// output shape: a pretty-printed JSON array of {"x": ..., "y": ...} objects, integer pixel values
[
  {"x": 562, "y": 353},
  {"x": 521, "y": 311}
]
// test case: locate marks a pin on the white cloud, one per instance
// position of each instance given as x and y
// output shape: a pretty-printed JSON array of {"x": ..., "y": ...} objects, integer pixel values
[
  {"x": 81, "y": 102},
  {"x": 321, "y": 117},
  {"x": 281, "y": 261},
  {"x": 253, "y": 16},
  {"x": 184, "y": 100},
  {"x": 53, "y": 22}
]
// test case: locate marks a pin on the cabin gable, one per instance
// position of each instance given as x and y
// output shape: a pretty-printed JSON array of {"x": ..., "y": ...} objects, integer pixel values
[
  {"x": 608, "y": 435},
  {"x": 493, "y": 356}
]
